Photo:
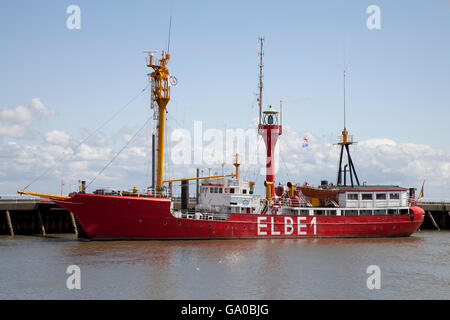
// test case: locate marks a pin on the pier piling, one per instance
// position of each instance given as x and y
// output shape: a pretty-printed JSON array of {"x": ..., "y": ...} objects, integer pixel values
[
  {"x": 10, "y": 226},
  {"x": 432, "y": 221},
  {"x": 74, "y": 224},
  {"x": 41, "y": 224}
]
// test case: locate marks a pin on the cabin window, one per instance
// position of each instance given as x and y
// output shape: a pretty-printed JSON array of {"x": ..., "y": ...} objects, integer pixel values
[
  {"x": 331, "y": 212},
  {"x": 381, "y": 196},
  {"x": 352, "y": 196},
  {"x": 304, "y": 212},
  {"x": 216, "y": 190},
  {"x": 394, "y": 196},
  {"x": 244, "y": 191},
  {"x": 365, "y": 212},
  {"x": 231, "y": 190},
  {"x": 220, "y": 190},
  {"x": 319, "y": 212},
  {"x": 351, "y": 212},
  {"x": 379, "y": 212},
  {"x": 403, "y": 211},
  {"x": 392, "y": 211},
  {"x": 211, "y": 190},
  {"x": 366, "y": 196}
]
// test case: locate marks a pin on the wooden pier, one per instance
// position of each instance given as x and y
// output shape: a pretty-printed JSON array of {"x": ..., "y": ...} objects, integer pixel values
[
  {"x": 34, "y": 217},
  {"x": 437, "y": 215},
  {"x": 24, "y": 216}
]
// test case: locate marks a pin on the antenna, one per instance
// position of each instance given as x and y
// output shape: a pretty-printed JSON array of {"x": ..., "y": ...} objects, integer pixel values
[
  {"x": 170, "y": 28},
  {"x": 261, "y": 53},
  {"x": 344, "y": 97},
  {"x": 281, "y": 112}
]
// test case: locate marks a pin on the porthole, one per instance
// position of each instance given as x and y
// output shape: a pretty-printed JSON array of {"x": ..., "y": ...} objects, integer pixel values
[
  {"x": 179, "y": 224},
  {"x": 210, "y": 226},
  {"x": 165, "y": 222}
]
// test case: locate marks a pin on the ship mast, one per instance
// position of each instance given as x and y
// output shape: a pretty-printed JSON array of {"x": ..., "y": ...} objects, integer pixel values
[
  {"x": 260, "y": 86},
  {"x": 269, "y": 127},
  {"x": 345, "y": 140},
  {"x": 161, "y": 95}
]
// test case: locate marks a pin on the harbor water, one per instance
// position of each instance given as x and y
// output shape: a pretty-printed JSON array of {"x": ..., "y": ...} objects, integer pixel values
[{"x": 416, "y": 267}]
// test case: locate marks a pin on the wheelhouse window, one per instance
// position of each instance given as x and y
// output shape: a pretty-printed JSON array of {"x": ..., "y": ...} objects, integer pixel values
[
  {"x": 392, "y": 211},
  {"x": 381, "y": 196},
  {"x": 352, "y": 196},
  {"x": 394, "y": 196},
  {"x": 366, "y": 196}
]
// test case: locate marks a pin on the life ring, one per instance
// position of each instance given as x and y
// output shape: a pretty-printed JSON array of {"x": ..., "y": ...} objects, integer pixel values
[{"x": 274, "y": 211}]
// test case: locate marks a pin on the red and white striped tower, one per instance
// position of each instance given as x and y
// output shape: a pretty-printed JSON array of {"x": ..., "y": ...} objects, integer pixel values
[{"x": 270, "y": 128}]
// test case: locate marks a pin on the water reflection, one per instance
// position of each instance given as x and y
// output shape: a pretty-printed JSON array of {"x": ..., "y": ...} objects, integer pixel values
[{"x": 227, "y": 269}]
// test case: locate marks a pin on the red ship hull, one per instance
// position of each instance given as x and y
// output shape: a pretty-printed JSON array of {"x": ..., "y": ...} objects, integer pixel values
[{"x": 119, "y": 217}]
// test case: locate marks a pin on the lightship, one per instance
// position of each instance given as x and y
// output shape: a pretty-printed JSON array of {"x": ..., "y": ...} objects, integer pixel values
[{"x": 227, "y": 207}]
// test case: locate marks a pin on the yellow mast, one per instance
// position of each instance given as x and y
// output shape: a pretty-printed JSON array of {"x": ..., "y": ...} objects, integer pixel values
[{"x": 161, "y": 94}]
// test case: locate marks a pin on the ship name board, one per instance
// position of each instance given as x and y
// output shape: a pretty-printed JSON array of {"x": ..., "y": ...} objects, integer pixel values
[{"x": 288, "y": 227}]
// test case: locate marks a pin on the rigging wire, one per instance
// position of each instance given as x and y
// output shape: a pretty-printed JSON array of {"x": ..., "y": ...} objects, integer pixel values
[
  {"x": 120, "y": 151},
  {"x": 89, "y": 136}
]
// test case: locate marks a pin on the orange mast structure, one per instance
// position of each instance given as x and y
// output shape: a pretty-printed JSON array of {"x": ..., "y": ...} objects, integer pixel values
[{"x": 161, "y": 95}]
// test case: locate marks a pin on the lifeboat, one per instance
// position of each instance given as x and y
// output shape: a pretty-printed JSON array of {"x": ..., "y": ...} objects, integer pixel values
[{"x": 317, "y": 192}]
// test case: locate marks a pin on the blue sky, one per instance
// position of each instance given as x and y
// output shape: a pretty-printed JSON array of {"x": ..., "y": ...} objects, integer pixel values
[{"x": 398, "y": 77}]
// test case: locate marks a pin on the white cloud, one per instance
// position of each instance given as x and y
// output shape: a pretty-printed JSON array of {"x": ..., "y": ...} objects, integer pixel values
[
  {"x": 85, "y": 152},
  {"x": 57, "y": 137},
  {"x": 37, "y": 105},
  {"x": 16, "y": 121},
  {"x": 377, "y": 161}
]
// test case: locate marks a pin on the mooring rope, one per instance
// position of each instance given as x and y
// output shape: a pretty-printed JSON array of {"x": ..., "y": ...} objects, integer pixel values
[{"x": 89, "y": 136}]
